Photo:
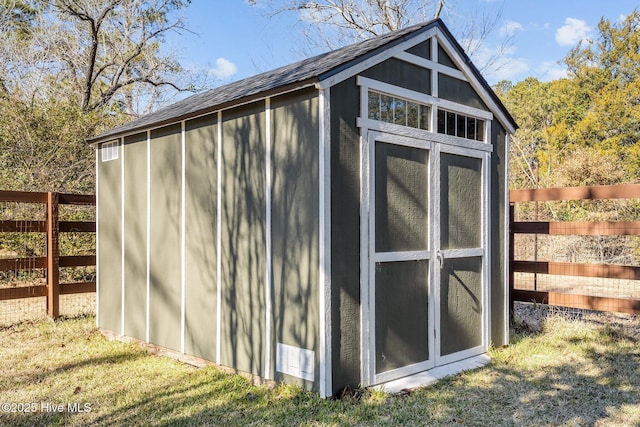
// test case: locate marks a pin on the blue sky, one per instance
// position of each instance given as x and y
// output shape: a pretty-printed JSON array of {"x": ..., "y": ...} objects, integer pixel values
[{"x": 233, "y": 40}]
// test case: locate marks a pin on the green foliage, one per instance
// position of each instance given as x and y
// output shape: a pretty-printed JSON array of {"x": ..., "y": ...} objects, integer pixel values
[
  {"x": 585, "y": 129},
  {"x": 42, "y": 146},
  {"x": 71, "y": 69}
]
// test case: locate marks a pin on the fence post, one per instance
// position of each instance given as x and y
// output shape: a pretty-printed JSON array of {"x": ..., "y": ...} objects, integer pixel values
[
  {"x": 512, "y": 215},
  {"x": 53, "y": 256}
]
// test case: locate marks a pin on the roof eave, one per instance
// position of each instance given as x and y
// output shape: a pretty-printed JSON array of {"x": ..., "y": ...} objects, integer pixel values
[{"x": 116, "y": 134}]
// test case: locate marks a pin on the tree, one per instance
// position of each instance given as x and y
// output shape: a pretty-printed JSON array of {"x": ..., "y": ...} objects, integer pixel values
[
  {"x": 70, "y": 69},
  {"x": 329, "y": 24},
  {"x": 606, "y": 69},
  {"x": 593, "y": 114},
  {"x": 101, "y": 53}
]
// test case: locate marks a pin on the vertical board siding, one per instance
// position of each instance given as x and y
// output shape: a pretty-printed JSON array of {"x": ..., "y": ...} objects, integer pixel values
[
  {"x": 243, "y": 238},
  {"x": 164, "y": 275},
  {"x": 445, "y": 59},
  {"x": 110, "y": 243},
  {"x": 422, "y": 50},
  {"x": 402, "y": 74},
  {"x": 345, "y": 235},
  {"x": 135, "y": 235},
  {"x": 201, "y": 237},
  {"x": 459, "y": 91},
  {"x": 498, "y": 171},
  {"x": 295, "y": 227}
]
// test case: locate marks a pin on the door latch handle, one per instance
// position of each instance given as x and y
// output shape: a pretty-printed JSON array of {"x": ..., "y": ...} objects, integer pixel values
[{"x": 440, "y": 259}]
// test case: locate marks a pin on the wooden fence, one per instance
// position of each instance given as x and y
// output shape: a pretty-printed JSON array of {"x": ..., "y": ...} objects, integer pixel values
[
  {"x": 52, "y": 262},
  {"x": 616, "y": 228}
]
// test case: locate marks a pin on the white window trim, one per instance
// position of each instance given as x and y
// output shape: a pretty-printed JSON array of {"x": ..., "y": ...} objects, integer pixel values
[
  {"x": 110, "y": 151},
  {"x": 422, "y": 98},
  {"x": 453, "y": 141}
]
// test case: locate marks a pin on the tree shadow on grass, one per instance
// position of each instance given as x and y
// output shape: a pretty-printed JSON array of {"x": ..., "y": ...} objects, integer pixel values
[{"x": 587, "y": 379}]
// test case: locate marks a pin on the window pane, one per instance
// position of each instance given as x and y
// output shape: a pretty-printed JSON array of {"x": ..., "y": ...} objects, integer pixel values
[
  {"x": 451, "y": 123},
  {"x": 442, "y": 121},
  {"x": 386, "y": 108},
  {"x": 399, "y": 111},
  {"x": 471, "y": 128},
  {"x": 425, "y": 117},
  {"x": 413, "y": 114},
  {"x": 374, "y": 105},
  {"x": 480, "y": 127},
  {"x": 462, "y": 126}
]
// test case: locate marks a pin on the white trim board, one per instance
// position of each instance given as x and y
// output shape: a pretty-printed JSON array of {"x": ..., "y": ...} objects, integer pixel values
[
  {"x": 433, "y": 66},
  {"x": 376, "y": 59},
  {"x": 148, "y": 259},
  {"x": 97, "y": 238},
  {"x": 219, "y": 241},
  {"x": 446, "y": 140},
  {"x": 122, "y": 236},
  {"x": 431, "y": 376},
  {"x": 420, "y": 97},
  {"x": 453, "y": 53},
  {"x": 505, "y": 242},
  {"x": 324, "y": 231},
  {"x": 183, "y": 238},
  {"x": 268, "y": 285}
]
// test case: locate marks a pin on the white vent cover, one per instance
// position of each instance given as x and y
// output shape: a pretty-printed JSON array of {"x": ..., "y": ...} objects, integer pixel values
[{"x": 295, "y": 361}]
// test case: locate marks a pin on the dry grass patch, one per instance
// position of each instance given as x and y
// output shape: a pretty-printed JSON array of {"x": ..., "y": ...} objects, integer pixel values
[{"x": 584, "y": 372}]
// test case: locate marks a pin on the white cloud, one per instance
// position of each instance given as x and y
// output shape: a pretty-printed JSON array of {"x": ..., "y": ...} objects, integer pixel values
[
  {"x": 510, "y": 28},
  {"x": 224, "y": 69},
  {"x": 552, "y": 70},
  {"x": 507, "y": 66},
  {"x": 572, "y": 32}
]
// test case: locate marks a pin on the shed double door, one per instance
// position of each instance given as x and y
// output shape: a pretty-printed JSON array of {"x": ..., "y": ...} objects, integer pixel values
[{"x": 427, "y": 257}]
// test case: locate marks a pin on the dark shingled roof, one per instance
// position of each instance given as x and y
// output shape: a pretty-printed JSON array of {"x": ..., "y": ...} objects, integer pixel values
[{"x": 304, "y": 72}]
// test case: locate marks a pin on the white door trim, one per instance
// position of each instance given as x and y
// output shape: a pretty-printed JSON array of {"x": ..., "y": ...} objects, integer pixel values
[{"x": 369, "y": 257}]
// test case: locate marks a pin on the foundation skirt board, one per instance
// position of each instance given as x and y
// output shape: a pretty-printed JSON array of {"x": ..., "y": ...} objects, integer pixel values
[
  {"x": 425, "y": 378},
  {"x": 295, "y": 361}
]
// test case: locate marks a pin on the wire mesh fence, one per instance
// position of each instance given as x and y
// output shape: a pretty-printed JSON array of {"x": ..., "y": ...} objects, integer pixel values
[
  {"x": 577, "y": 248},
  {"x": 27, "y": 258}
]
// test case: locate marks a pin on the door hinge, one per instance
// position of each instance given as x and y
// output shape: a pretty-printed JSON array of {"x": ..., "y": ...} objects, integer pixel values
[{"x": 434, "y": 334}]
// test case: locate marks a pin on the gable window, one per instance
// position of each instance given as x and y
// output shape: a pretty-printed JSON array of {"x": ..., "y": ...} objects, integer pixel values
[
  {"x": 109, "y": 151},
  {"x": 455, "y": 124},
  {"x": 399, "y": 111}
]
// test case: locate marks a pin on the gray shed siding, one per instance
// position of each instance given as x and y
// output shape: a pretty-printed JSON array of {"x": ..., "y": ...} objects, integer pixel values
[
  {"x": 402, "y": 74},
  {"x": 499, "y": 228},
  {"x": 295, "y": 227},
  {"x": 345, "y": 235},
  {"x": 210, "y": 271},
  {"x": 345, "y": 215},
  {"x": 164, "y": 243},
  {"x": 135, "y": 235},
  {"x": 110, "y": 243},
  {"x": 243, "y": 238},
  {"x": 201, "y": 198}
]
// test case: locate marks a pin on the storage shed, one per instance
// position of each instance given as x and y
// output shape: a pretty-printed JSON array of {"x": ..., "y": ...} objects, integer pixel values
[{"x": 338, "y": 221}]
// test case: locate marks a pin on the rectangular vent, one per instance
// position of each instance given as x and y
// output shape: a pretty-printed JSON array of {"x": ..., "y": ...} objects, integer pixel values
[{"x": 295, "y": 361}]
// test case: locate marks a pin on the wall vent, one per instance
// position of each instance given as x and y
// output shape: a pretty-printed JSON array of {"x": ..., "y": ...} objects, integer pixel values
[{"x": 295, "y": 361}]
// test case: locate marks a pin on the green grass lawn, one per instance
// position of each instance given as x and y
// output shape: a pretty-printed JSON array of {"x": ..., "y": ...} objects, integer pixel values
[{"x": 569, "y": 373}]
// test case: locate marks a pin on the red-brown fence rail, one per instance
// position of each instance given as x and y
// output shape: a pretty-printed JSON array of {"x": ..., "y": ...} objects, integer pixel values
[
  {"x": 52, "y": 262},
  {"x": 565, "y": 228}
]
